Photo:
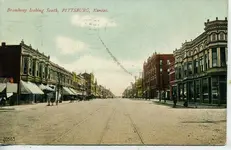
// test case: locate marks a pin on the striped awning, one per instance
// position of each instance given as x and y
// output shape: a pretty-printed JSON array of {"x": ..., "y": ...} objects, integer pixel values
[
  {"x": 30, "y": 88},
  {"x": 67, "y": 91}
]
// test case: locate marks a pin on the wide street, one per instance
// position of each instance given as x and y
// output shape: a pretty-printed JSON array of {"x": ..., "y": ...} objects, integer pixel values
[{"x": 112, "y": 121}]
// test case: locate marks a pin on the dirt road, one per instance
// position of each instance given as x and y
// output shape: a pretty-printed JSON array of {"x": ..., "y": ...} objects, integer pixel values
[{"x": 112, "y": 121}]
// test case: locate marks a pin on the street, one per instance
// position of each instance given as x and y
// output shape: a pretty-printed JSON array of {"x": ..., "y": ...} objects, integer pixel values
[{"x": 112, "y": 121}]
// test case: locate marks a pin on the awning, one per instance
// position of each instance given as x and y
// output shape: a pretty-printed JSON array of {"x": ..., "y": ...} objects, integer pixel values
[
  {"x": 2, "y": 87},
  {"x": 25, "y": 89},
  {"x": 11, "y": 88},
  {"x": 67, "y": 91},
  {"x": 30, "y": 88},
  {"x": 73, "y": 91},
  {"x": 45, "y": 88},
  {"x": 35, "y": 89}
]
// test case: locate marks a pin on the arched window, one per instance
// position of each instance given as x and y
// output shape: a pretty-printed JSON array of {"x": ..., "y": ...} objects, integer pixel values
[
  {"x": 213, "y": 37},
  {"x": 222, "y": 36}
]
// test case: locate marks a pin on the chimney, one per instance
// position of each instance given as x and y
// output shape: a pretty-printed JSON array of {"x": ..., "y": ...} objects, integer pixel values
[
  {"x": 207, "y": 20},
  {"x": 225, "y": 18},
  {"x": 216, "y": 18}
]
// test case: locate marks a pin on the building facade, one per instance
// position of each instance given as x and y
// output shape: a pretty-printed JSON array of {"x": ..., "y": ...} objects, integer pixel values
[
  {"x": 156, "y": 75},
  {"x": 172, "y": 86},
  {"x": 34, "y": 73},
  {"x": 201, "y": 66}
]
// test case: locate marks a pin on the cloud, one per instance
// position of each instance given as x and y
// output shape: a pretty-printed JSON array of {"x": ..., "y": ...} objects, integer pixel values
[
  {"x": 107, "y": 72},
  {"x": 92, "y": 21},
  {"x": 67, "y": 45}
]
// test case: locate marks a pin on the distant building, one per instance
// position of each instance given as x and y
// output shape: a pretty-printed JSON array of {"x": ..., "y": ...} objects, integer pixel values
[{"x": 156, "y": 75}]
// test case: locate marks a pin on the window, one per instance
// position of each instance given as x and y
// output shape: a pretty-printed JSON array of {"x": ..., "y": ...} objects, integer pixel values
[
  {"x": 222, "y": 56},
  {"x": 201, "y": 64},
  {"x": 196, "y": 66},
  {"x": 205, "y": 89},
  {"x": 190, "y": 68},
  {"x": 213, "y": 37},
  {"x": 161, "y": 70},
  {"x": 222, "y": 36},
  {"x": 176, "y": 73},
  {"x": 214, "y": 57},
  {"x": 168, "y": 62},
  {"x": 185, "y": 69},
  {"x": 206, "y": 62},
  {"x": 160, "y": 62},
  {"x": 197, "y": 89},
  {"x": 214, "y": 88},
  {"x": 25, "y": 65},
  {"x": 179, "y": 72},
  {"x": 40, "y": 70},
  {"x": 34, "y": 68},
  {"x": 30, "y": 66}
]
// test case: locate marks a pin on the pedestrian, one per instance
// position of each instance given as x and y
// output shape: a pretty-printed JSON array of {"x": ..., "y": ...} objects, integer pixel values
[{"x": 174, "y": 101}]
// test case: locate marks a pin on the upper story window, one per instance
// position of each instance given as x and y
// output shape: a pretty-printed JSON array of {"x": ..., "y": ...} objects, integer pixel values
[
  {"x": 206, "y": 62},
  {"x": 189, "y": 67},
  {"x": 168, "y": 62},
  {"x": 30, "y": 63},
  {"x": 185, "y": 69},
  {"x": 222, "y": 56},
  {"x": 213, "y": 36},
  {"x": 222, "y": 36},
  {"x": 34, "y": 68},
  {"x": 25, "y": 65},
  {"x": 161, "y": 62},
  {"x": 196, "y": 66},
  {"x": 214, "y": 57},
  {"x": 201, "y": 64}
]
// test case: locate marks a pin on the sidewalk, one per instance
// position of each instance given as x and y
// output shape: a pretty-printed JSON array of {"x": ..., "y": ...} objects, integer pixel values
[
  {"x": 190, "y": 105},
  {"x": 29, "y": 106}
]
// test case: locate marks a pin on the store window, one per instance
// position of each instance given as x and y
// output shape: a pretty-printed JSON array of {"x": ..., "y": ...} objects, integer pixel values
[
  {"x": 214, "y": 57},
  {"x": 198, "y": 90},
  {"x": 185, "y": 90},
  {"x": 205, "y": 89},
  {"x": 214, "y": 88}
]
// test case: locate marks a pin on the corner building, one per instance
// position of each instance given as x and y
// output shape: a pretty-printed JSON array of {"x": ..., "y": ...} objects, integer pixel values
[{"x": 201, "y": 66}]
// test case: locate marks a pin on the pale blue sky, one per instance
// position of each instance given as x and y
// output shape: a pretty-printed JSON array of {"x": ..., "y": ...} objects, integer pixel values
[{"x": 138, "y": 28}]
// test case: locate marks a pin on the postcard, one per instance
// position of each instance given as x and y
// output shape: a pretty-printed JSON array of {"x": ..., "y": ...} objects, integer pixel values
[{"x": 105, "y": 72}]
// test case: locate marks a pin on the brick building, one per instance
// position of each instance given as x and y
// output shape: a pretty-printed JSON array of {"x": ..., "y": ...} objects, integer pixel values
[
  {"x": 201, "y": 66},
  {"x": 155, "y": 75}
]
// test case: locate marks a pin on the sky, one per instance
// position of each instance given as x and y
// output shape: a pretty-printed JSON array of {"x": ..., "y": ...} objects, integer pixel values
[{"x": 131, "y": 29}]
